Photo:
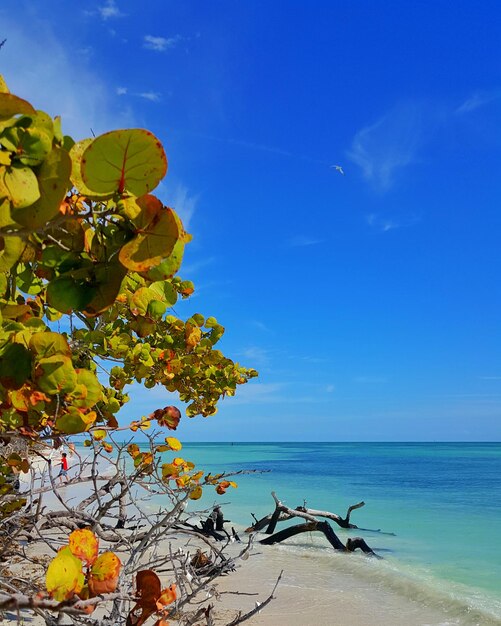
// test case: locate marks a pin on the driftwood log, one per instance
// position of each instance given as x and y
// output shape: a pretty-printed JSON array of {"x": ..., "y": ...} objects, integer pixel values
[{"x": 284, "y": 513}]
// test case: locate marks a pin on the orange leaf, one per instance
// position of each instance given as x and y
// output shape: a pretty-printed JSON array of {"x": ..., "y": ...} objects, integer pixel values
[
  {"x": 84, "y": 545},
  {"x": 167, "y": 596}
]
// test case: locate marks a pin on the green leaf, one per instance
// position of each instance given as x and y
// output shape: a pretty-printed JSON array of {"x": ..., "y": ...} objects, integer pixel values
[
  {"x": 106, "y": 282},
  {"x": 67, "y": 293},
  {"x": 12, "y": 105},
  {"x": 122, "y": 161},
  {"x": 165, "y": 292},
  {"x": 15, "y": 365},
  {"x": 88, "y": 391},
  {"x": 76, "y": 153},
  {"x": 30, "y": 138},
  {"x": 10, "y": 251},
  {"x": 22, "y": 185},
  {"x": 73, "y": 421},
  {"x": 55, "y": 374},
  {"x": 157, "y": 233},
  {"x": 53, "y": 181},
  {"x": 48, "y": 344}
]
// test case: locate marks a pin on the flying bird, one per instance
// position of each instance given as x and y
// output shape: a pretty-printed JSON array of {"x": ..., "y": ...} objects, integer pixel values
[
  {"x": 2, "y": 43},
  {"x": 338, "y": 168}
]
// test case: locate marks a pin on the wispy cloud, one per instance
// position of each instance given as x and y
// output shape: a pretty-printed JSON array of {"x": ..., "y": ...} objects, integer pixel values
[
  {"x": 161, "y": 44},
  {"x": 106, "y": 11},
  {"x": 301, "y": 241},
  {"x": 196, "y": 266},
  {"x": 184, "y": 204},
  {"x": 260, "y": 325},
  {"x": 390, "y": 144},
  {"x": 489, "y": 377},
  {"x": 384, "y": 223},
  {"x": 152, "y": 96},
  {"x": 477, "y": 100},
  {"x": 257, "y": 355}
]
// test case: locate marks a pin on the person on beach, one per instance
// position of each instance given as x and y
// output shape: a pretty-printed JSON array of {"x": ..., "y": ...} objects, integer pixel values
[{"x": 63, "y": 472}]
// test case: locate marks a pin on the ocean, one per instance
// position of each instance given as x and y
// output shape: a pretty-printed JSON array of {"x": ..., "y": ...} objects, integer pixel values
[{"x": 432, "y": 511}]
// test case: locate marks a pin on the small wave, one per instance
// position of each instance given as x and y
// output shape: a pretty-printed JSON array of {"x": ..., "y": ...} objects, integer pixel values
[{"x": 460, "y": 604}]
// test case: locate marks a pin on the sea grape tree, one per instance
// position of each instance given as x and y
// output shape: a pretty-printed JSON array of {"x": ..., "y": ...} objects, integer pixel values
[{"x": 89, "y": 262}]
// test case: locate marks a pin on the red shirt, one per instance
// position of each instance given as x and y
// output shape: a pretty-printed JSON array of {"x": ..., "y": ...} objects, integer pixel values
[{"x": 64, "y": 463}]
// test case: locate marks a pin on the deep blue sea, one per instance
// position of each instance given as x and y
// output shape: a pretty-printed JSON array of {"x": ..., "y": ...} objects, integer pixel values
[{"x": 433, "y": 510}]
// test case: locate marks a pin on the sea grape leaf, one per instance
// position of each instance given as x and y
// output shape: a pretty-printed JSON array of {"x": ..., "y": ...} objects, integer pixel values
[
  {"x": 173, "y": 443},
  {"x": 30, "y": 138},
  {"x": 88, "y": 391},
  {"x": 140, "y": 300},
  {"x": 64, "y": 576},
  {"x": 55, "y": 374},
  {"x": 22, "y": 185},
  {"x": 157, "y": 232},
  {"x": 196, "y": 493},
  {"x": 104, "y": 573},
  {"x": 67, "y": 293},
  {"x": 121, "y": 161},
  {"x": 53, "y": 182},
  {"x": 168, "y": 416},
  {"x": 76, "y": 153},
  {"x": 106, "y": 566},
  {"x": 48, "y": 343},
  {"x": 171, "y": 264},
  {"x": 106, "y": 283},
  {"x": 74, "y": 421},
  {"x": 3, "y": 85},
  {"x": 149, "y": 590},
  {"x": 15, "y": 365},
  {"x": 11, "y": 249},
  {"x": 167, "y": 596},
  {"x": 165, "y": 292},
  {"x": 12, "y": 105},
  {"x": 84, "y": 545}
]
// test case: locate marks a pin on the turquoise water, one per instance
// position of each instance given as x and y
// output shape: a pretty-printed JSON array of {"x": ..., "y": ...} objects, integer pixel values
[{"x": 441, "y": 501}]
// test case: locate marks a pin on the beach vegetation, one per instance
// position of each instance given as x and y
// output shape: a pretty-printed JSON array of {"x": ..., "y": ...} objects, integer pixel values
[{"x": 89, "y": 262}]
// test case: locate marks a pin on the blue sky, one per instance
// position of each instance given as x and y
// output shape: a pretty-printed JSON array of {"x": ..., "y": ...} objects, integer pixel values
[{"x": 370, "y": 301}]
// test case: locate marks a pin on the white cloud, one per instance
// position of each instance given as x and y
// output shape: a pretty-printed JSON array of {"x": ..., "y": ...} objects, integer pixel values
[
  {"x": 476, "y": 101},
  {"x": 161, "y": 44},
  {"x": 259, "y": 356},
  {"x": 390, "y": 144},
  {"x": 45, "y": 75},
  {"x": 121, "y": 91},
  {"x": 384, "y": 223},
  {"x": 153, "y": 96},
  {"x": 184, "y": 204},
  {"x": 109, "y": 9}
]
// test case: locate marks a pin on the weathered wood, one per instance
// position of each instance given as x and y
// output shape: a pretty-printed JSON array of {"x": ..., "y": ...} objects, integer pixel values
[{"x": 312, "y": 524}]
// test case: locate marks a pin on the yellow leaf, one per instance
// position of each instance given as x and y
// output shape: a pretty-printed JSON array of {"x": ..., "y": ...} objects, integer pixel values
[
  {"x": 64, "y": 576},
  {"x": 196, "y": 493},
  {"x": 99, "y": 434},
  {"x": 173, "y": 443}
]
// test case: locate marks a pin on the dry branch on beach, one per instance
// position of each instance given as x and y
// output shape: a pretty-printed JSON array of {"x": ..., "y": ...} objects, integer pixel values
[{"x": 283, "y": 513}]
